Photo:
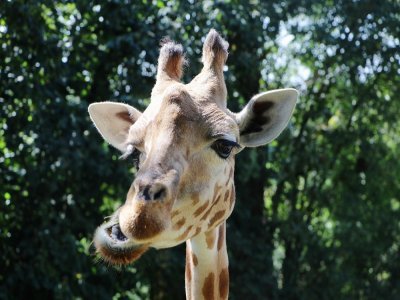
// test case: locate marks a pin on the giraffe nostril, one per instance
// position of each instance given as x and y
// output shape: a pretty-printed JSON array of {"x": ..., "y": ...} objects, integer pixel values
[
  {"x": 160, "y": 194},
  {"x": 146, "y": 193},
  {"x": 153, "y": 192}
]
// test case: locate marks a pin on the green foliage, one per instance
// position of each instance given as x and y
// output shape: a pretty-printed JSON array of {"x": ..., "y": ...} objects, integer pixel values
[{"x": 318, "y": 210}]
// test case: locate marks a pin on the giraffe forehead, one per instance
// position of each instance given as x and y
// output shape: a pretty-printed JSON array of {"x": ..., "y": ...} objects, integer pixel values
[
  {"x": 219, "y": 123},
  {"x": 178, "y": 115}
]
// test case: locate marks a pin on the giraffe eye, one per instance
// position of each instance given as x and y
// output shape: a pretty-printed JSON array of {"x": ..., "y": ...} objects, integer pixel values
[{"x": 223, "y": 147}]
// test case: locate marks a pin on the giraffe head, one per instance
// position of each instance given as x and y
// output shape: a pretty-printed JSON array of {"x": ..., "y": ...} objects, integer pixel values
[{"x": 183, "y": 147}]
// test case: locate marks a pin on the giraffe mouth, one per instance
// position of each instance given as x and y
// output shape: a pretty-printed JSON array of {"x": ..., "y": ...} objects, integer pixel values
[
  {"x": 111, "y": 231},
  {"x": 114, "y": 247},
  {"x": 116, "y": 234}
]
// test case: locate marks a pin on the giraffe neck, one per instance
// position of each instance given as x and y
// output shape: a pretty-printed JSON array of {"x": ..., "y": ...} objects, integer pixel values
[{"x": 207, "y": 275}]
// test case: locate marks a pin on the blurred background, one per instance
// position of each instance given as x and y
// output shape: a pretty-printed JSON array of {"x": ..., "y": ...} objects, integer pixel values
[{"x": 318, "y": 210}]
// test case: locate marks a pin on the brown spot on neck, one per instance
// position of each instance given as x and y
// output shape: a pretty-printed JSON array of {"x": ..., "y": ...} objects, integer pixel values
[
  {"x": 200, "y": 209},
  {"x": 175, "y": 213},
  {"x": 206, "y": 214},
  {"x": 195, "y": 260},
  {"x": 210, "y": 239},
  {"x": 208, "y": 287},
  {"x": 227, "y": 194},
  {"x": 198, "y": 229},
  {"x": 215, "y": 201},
  {"x": 224, "y": 284},
  {"x": 217, "y": 217},
  {"x": 179, "y": 224},
  {"x": 221, "y": 236}
]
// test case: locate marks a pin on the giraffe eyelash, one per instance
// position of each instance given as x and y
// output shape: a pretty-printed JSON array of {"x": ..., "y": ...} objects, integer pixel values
[
  {"x": 223, "y": 147},
  {"x": 129, "y": 150},
  {"x": 134, "y": 153}
]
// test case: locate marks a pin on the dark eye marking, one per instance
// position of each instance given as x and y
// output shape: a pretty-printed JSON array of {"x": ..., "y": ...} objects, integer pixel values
[
  {"x": 224, "y": 147},
  {"x": 134, "y": 153}
]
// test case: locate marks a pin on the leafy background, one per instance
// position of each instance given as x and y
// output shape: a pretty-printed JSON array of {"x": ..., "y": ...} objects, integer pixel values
[{"x": 318, "y": 210}]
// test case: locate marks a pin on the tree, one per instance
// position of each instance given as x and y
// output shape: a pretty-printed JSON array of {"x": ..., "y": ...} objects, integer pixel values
[{"x": 317, "y": 213}]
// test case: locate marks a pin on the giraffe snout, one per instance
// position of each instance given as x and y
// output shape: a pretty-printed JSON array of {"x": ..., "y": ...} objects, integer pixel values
[
  {"x": 146, "y": 214},
  {"x": 152, "y": 185}
]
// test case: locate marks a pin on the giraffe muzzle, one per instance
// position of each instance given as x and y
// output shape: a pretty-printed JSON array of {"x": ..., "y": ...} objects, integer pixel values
[
  {"x": 113, "y": 246},
  {"x": 146, "y": 213},
  {"x": 142, "y": 220}
]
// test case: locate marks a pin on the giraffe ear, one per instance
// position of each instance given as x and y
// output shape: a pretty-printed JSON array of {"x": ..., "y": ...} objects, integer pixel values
[
  {"x": 113, "y": 121},
  {"x": 265, "y": 116}
]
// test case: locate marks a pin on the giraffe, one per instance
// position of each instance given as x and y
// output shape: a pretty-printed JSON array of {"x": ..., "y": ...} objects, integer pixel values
[{"x": 183, "y": 146}]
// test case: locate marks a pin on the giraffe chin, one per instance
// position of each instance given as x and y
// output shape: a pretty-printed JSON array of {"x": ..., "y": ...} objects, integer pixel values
[{"x": 114, "y": 247}]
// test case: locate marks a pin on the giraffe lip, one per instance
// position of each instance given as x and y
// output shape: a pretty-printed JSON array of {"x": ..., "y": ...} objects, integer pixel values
[
  {"x": 111, "y": 235},
  {"x": 114, "y": 247}
]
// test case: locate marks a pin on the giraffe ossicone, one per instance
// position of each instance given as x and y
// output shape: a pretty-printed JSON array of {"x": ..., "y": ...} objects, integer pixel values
[{"x": 183, "y": 146}]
